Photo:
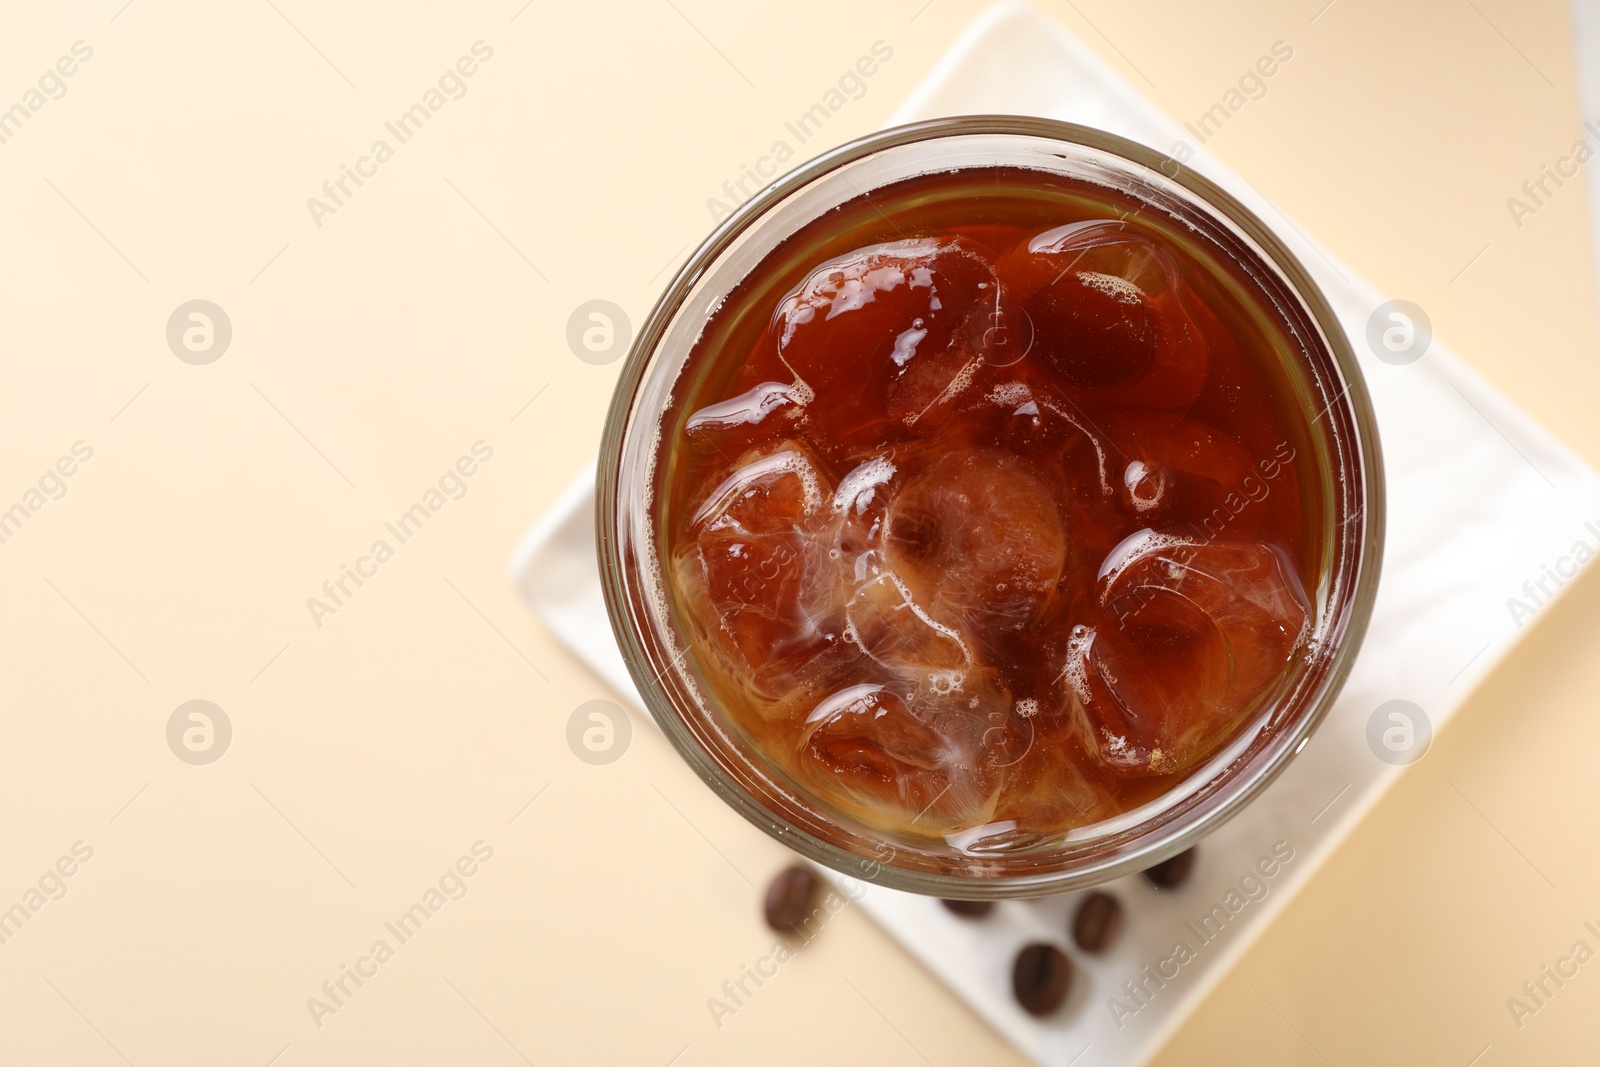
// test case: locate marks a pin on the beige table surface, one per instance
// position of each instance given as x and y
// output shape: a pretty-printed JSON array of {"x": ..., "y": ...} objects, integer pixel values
[{"x": 374, "y": 345}]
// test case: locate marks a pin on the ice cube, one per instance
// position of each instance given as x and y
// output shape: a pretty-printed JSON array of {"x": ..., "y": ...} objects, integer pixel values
[
  {"x": 883, "y": 617},
  {"x": 1046, "y": 791},
  {"x": 930, "y": 389},
  {"x": 877, "y": 308},
  {"x": 997, "y": 334},
  {"x": 756, "y": 576},
  {"x": 866, "y": 319},
  {"x": 977, "y": 539},
  {"x": 916, "y": 765},
  {"x": 731, "y": 426},
  {"x": 1189, "y": 639},
  {"x": 1107, "y": 311},
  {"x": 889, "y": 625},
  {"x": 1040, "y": 424},
  {"x": 767, "y": 491}
]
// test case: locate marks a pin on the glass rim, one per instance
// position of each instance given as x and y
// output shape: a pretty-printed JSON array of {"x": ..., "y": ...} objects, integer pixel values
[{"x": 1245, "y": 785}]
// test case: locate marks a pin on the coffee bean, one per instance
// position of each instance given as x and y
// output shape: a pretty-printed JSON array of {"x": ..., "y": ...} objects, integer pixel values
[
  {"x": 791, "y": 898},
  {"x": 1097, "y": 922},
  {"x": 1170, "y": 874},
  {"x": 1040, "y": 978},
  {"x": 969, "y": 909}
]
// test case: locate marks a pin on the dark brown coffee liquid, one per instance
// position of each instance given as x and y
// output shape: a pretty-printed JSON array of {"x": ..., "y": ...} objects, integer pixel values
[{"x": 988, "y": 506}]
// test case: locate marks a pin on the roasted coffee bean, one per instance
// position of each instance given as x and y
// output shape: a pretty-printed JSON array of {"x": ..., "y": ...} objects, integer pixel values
[
  {"x": 1170, "y": 874},
  {"x": 1040, "y": 978},
  {"x": 1097, "y": 922},
  {"x": 790, "y": 898},
  {"x": 969, "y": 909}
]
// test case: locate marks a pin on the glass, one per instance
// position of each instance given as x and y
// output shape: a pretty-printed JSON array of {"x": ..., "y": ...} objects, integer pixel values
[{"x": 1326, "y": 380}]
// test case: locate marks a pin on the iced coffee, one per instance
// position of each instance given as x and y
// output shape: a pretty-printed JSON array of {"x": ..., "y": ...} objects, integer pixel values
[{"x": 985, "y": 509}]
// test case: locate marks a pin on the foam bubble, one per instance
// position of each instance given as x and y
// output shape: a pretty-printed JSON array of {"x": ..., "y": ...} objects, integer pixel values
[
  {"x": 1135, "y": 547},
  {"x": 1119, "y": 289},
  {"x": 857, "y": 488}
]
